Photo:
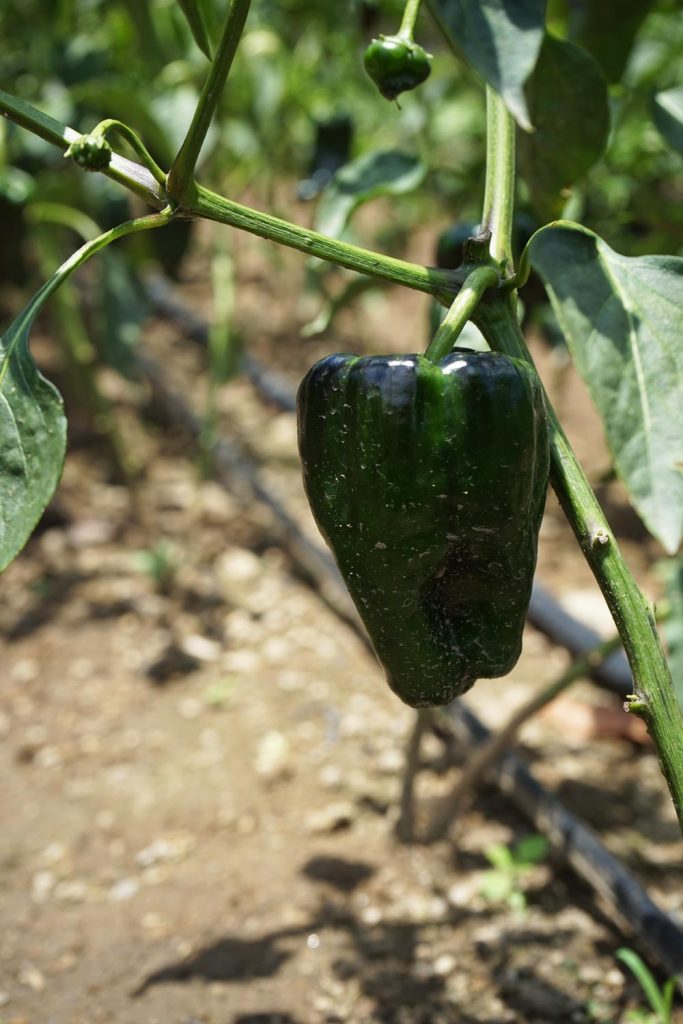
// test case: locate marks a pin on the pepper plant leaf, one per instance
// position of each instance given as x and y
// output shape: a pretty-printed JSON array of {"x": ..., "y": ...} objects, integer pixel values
[
  {"x": 623, "y": 321},
  {"x": 668, "y": 115},
  {"x": 32, "y": 435},
  {"x": 610, "y": 39},
  {"x": 501, "y": 39},
  {"x": 381, "y": 173},
  {"x": 196, "y": 17},
  {"x": 568, "y": 105}
]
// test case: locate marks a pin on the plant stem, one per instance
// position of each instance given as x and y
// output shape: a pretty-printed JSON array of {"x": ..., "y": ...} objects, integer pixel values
[
  {"x": 441, "y": 283},
  {"x": 82, "y": 357},
  {"x": 181, "y": 183},
  {"x": 405, "y": 826},
  {"x": 461, "y": 310},
  {"x": 654, "y": 699},
  {"x": 135, "y": 177},
  {"x": 104, "y": 128},
  {"x": 486, "y": 755},
  {"x": 499, "y": 189},
  {"x": 129, "y": 227},
  {"x": 410, "y": 13}
]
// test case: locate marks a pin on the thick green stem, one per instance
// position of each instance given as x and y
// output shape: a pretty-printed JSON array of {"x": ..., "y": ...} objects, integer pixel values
[
  {"x": 462, "y": 308},
  {"x": 181, "y": 183},
  {"x": 499, "y": 189},
  {"x": 655, "y": 699},
  {"x": 441, "y": 283},
  {"x": 410, "y": 13}
]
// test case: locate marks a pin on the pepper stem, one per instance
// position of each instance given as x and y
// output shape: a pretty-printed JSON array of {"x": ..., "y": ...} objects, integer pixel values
[
  {"x": 410, "y": 13},
  {"x": 499, "y": 189},
  {"x": 464, "y": 305}
]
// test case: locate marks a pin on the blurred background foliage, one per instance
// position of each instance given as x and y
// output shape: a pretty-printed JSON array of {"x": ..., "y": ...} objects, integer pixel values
[
  {"x": 298, "y": 101},
  {"x": 298, "y": 105}
]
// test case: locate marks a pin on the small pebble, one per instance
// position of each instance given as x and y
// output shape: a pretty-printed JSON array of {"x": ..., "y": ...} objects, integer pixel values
[
  {"x": 124, "y": 890},
  {"x": 272, "y": 756},
  {"x": 32, "y": 978},
  {"x": 331, "y": 818},
  {"x": 201, "y": 647}
]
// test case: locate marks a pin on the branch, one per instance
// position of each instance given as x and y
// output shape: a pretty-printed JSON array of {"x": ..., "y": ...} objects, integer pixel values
[
  {"x": 441, "y": 283},
  {"x": 495, "y": 746},
  {"x": 135, "y": 177},
  {"x": 181, "y": 182}
]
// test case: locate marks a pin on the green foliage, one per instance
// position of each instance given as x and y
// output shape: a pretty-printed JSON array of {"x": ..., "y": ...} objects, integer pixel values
[
  {"x": 668, "y": 115},
  {"x": 160, "y": 563},
  {"x": 623, "y": 321},
  {"x": 567, "y": 101},
  {"x": 510, "y": 867},
  {"x": 660, "y": 999},
  {"x": 501, "y": 39},
  {"x": 32, "y": 433},
  {"x": 198, "y": 13},
  {"x": 369, "y": 176},
  {"x": 608, "y": 37}
]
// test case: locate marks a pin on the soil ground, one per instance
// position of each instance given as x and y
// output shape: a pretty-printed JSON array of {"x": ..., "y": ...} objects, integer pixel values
[{"x": 201, "y": 764}]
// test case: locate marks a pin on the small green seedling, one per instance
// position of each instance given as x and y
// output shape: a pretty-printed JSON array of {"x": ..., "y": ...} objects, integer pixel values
[
  {"x": 220, "y": 693},
  {"x": 660, "y": 999},
  {"x": 160, "y": 563},
  {"x": 503, "y": 884}
]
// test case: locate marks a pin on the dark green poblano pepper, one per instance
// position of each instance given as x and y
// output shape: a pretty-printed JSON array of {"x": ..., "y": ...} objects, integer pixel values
[{"x": 428, "y": 482}]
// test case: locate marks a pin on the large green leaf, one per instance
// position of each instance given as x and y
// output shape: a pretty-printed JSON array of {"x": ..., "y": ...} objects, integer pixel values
[
  {"x": 623, "y": 321},
  {"x": 32, "y": 435},
  {"x": 501, "y": 39},
  {"x": 568, "y": 105},
  {"x": 608, "y": 32},
  {"x": 668, "y": 115},
  {"x": 375, "y": 174}
]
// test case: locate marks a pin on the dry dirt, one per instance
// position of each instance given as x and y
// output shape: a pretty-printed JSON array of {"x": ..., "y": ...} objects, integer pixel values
[{"x": 201, "y": 764}]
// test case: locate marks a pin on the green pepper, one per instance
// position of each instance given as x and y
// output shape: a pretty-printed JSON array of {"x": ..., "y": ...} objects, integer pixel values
[
  {"x": 428, "y": 483},
  {"x": 396, "y": 65}
]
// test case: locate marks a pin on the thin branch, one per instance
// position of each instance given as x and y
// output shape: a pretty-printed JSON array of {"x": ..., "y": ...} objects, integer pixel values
[
  {"x": 405, "y": 826},
  {"x": 488, "y": 753},
  {"x": 181, "y": 176},
  {"x": 135, "y": 177}
]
